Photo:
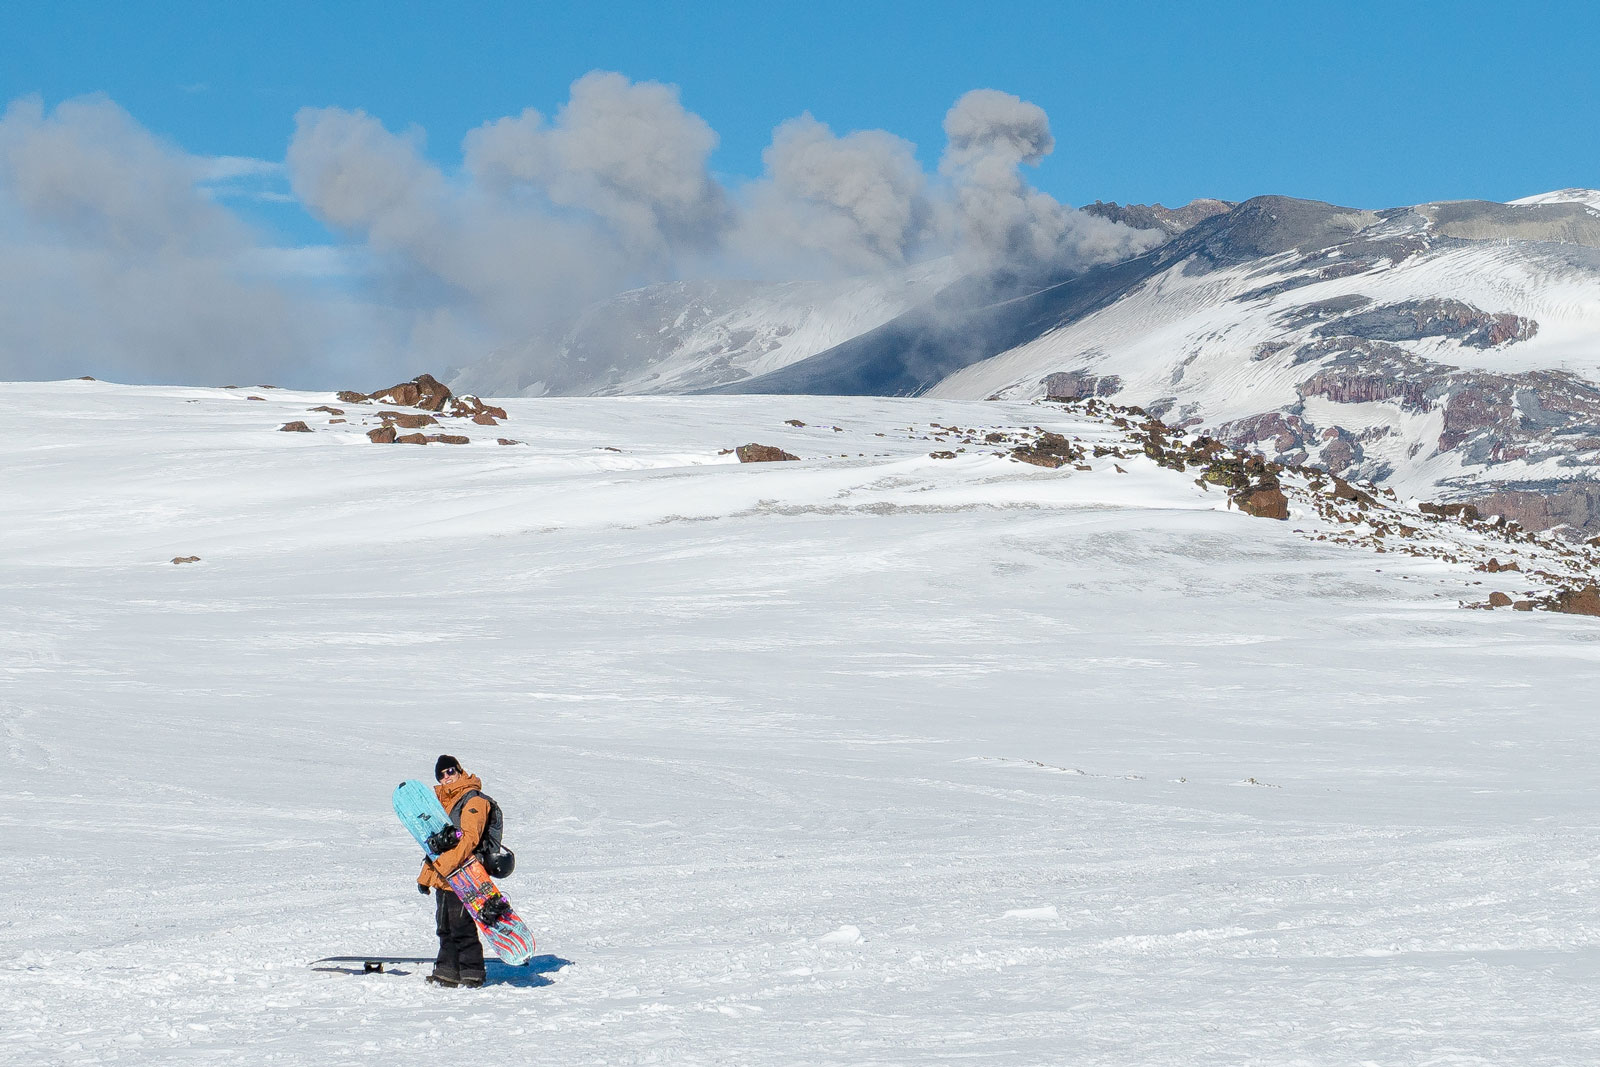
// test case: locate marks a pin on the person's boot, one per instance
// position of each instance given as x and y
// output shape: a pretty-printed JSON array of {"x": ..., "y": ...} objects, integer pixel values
[
  {"x": 472, "y": 979},
  {"x": 447, "y": 977}
]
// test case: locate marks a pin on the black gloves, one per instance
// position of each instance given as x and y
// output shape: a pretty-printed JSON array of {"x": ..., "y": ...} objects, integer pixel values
[{"x": 422, "y": 889}]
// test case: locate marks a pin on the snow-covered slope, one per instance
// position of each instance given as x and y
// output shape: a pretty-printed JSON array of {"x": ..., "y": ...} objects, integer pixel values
[
  {"x": 681, "y": 337},
  {"x": 871, "y": 758},
  {"x": 1589, "y": 198},
  {"x": 1437, "y": 349}
]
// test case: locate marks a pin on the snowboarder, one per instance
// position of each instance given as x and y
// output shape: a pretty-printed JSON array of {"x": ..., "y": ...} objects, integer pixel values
[{"x": 460, "y": 961}]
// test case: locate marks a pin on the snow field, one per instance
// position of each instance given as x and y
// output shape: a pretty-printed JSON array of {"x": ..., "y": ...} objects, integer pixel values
[{"x": 878, "y": 759}]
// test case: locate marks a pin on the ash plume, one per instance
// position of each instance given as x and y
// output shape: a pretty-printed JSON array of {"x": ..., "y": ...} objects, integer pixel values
[
  {"x": 121, "y": 255},
  {"x": 855, "y": 204},
  {"x": 997, "y": 220}
]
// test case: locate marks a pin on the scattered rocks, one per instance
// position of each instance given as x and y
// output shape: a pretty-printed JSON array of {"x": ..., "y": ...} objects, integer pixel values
[
  {"x": 753, "y": 453},
  {"x": 941, "y": 455},
  {"x": 506, "y": 441},
  {"x": 1049, "y": 450},
  {"x": 350, "y": 396},
  {"x": 468, "y": 406},
  {"x": 295, "y": 427}
]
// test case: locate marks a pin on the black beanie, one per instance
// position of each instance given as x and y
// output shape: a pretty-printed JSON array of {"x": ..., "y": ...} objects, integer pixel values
[{"x": 441, "y": 763}]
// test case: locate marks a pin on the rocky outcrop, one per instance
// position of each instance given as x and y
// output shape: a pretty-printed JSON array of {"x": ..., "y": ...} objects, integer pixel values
[
  {"x": 1416, "y": 320},
  {"x": 1170, "y": 220},
  {"x": 295, "y": 427},
  {"x": 1050, "y": 450},
  {"x": 407, "y": 422},
  {"x": 1075, "y": 385},
  {"x": 1584, "y": 601},
  {"x": 753, "y": 453},
  {"x": 470, "y": 407},
  {"x": 350, "y": 396},
  {"x": 424, "y": 391},
  {"x": 383, "y": 435}
]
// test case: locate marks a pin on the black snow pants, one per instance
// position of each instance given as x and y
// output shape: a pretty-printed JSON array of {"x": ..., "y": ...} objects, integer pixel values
[{"x": 460, "y": 951}]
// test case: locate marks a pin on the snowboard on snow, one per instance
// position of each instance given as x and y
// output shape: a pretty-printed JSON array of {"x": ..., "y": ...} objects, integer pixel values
[
  {"x": 427, "y": 821},
  {"x": 367, "y": 964}
]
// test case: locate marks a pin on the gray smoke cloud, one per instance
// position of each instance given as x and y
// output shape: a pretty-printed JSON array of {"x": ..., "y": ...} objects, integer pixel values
[
  {"x": 996, "y": 218},
  {"x": 114, "y": 262},
  {"x": 120, "y": 255},
  {"x": 628, "y": 153},
  {"x": 851, "y": 204}
]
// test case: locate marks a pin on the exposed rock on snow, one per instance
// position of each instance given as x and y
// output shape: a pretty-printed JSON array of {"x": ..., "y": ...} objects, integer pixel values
[
  {"x": 424, "y": 391},
  {"x": 295, "y": 427},
  {"x": 407, "y": 422},
  {"x": 753, "y": 453}
]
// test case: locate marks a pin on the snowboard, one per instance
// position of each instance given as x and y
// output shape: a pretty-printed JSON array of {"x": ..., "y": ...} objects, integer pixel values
[
  {"x": 367, "y": 964},
  {"x": 427, "y": 821}
]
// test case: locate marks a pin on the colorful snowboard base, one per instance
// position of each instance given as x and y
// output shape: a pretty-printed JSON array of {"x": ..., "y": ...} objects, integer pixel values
[{"x": 423, "y": 816}]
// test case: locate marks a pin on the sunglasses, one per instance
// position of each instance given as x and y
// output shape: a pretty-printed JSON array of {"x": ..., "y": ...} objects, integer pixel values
[{"x": 449, "y": 772}]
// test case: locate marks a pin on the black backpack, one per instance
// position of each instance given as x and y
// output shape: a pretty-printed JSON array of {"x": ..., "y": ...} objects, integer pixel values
[{"x": 498, "y": 860}]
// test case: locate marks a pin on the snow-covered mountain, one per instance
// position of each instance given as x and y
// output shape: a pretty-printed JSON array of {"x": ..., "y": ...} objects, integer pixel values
[
  {"x": 1449, "y": 348},
  {"x": 683, "y": 337},
  {"x": 1445, "y": 349}
]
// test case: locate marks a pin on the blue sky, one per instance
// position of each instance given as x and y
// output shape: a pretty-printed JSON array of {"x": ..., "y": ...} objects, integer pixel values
[
  {"x": 321, "y": 192},
  {"x": 1360, "y": 103}
]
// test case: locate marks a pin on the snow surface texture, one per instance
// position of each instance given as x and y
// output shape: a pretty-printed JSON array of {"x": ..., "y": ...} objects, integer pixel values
[{"x": 872, "y": 758}]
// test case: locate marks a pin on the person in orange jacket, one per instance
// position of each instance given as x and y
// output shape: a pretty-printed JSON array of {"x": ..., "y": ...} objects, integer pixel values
[{"x": 460, "y": 960}]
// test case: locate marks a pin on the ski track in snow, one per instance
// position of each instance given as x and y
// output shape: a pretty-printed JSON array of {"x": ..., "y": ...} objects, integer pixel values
[{"x": 868, "y": 760}]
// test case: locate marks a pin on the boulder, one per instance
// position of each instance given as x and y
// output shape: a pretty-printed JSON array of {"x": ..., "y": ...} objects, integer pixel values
[
  {"x": 407, "y": 422},
  {"x": 753, "y": 453},
  {"x": 350, "y": 396},
  {"x": 186, "y": 559},
  {"x": 383, "y": 435},
  {"x": 1263, "y": 501},
  {"x": 295, "y": 427},
  {"x": 506, "y": 441},
  {"x": 424, "y": 391},
  {"x": 1499, "y": 600},
  {"x": 449, "y": 439},
  {"x": 328, "y": 410},
  {"x": 1585, "y": 601},
  {"x": 483, "y": 418},
  {"x": 412, "y": 439}
]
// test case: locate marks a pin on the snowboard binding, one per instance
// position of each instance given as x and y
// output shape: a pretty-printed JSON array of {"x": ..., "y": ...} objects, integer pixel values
[
  {"x": 494, "y": 909},
  {"x": 443, "y": 840}
]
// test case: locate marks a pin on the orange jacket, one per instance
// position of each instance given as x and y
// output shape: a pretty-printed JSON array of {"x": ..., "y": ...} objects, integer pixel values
[{"x": 474, "y": 817}]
